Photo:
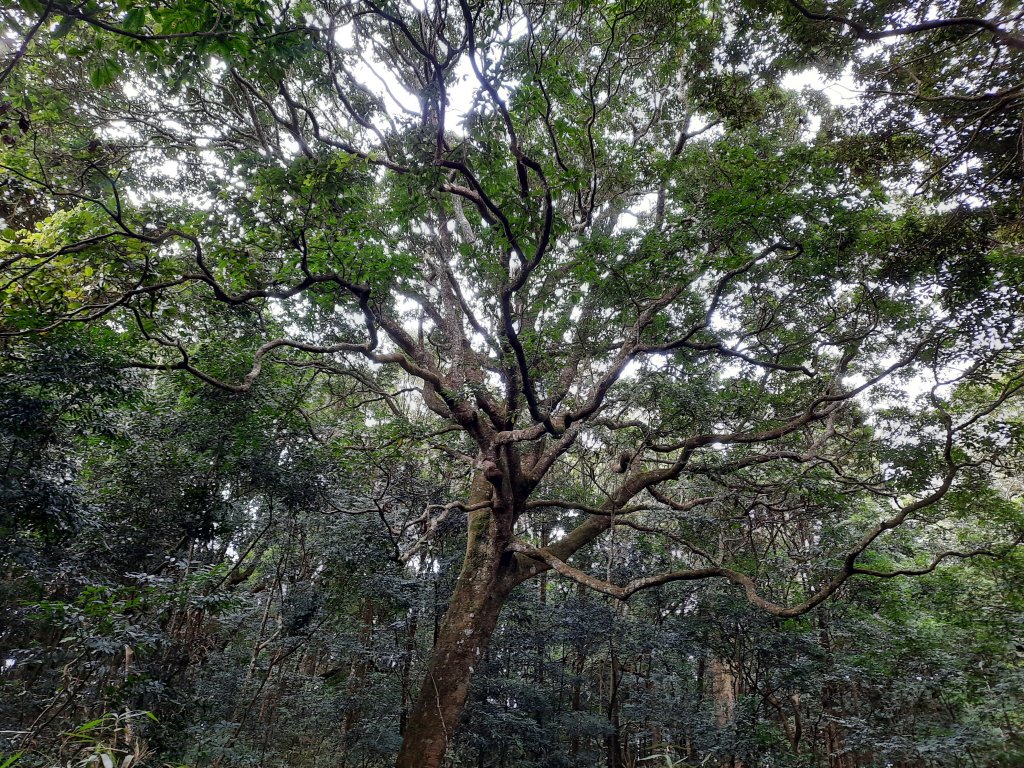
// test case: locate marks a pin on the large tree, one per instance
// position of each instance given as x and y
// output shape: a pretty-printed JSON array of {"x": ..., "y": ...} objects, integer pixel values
[{"x": 593, "y": 252}]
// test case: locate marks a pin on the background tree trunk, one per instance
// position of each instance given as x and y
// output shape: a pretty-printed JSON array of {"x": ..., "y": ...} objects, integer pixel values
[{"x": 723, "y": 692}]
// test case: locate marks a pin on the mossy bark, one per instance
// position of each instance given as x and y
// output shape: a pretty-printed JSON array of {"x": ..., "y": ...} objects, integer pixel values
[{"x": 480, "y": 592}]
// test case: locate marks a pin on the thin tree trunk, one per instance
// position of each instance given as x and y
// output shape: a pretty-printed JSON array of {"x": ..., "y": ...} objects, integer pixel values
[
  {"x": 480, "y": 592},
  {"x": 613, "y": 741},
  {"x": 410, "y": 652}
]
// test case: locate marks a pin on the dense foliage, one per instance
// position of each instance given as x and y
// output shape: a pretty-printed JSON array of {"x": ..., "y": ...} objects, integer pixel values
[{"x": 551, "y": 384}]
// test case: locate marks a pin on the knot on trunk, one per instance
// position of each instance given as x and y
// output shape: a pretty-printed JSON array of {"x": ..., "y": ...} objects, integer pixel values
[{"x": 492, "y": 473}]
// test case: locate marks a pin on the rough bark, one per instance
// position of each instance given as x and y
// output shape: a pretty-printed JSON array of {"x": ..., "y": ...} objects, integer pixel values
[
  {"x": 723, "y": 692},
  {"x": 472, "y": 615}
]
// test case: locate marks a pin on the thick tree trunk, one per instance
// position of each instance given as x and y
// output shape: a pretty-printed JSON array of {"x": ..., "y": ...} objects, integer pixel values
[
  {"x": 723, "y": 692},
  {"x": 480, "y": 592}
]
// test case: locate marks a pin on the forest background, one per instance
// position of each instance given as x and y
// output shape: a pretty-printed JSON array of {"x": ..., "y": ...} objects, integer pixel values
[{"x": 551, "y": 384}]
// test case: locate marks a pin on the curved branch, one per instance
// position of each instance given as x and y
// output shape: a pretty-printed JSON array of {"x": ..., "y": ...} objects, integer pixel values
[
  {"x": 1009, "y": 39},
  {"x": 926, "y": 569},
  {"x": 23, "y": 48}
]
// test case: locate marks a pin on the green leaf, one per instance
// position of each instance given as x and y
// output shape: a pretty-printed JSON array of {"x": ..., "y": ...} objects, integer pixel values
[
  {"x": 36, "y": 8},
  {"x": 105, "y": 73},
  {"x": 135, "y": 19},
  {"x": 86, "y": 727},
  {"x": 63, "y": 27}
]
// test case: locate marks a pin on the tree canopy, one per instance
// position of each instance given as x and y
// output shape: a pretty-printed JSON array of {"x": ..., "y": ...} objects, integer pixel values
[{"x": 358, "y": 316}]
